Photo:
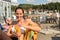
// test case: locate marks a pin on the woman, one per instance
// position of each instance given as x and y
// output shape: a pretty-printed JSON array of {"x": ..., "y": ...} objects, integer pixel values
[{"x": 24, "y": 24}]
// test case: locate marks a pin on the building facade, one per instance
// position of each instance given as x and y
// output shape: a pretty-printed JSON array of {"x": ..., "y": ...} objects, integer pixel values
[{"x": 5, "y": 8}]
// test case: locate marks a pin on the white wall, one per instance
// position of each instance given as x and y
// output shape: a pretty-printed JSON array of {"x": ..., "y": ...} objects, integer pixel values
[{"x": 4, "y": 4}]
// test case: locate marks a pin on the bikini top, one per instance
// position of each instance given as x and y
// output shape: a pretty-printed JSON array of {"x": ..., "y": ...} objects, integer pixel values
[
  {"x": 18, "y": 29},
  {"x": 22, "y": 29}
]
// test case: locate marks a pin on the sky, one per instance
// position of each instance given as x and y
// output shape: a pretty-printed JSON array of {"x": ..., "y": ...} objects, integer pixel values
[{"x": 36, "y": 2}]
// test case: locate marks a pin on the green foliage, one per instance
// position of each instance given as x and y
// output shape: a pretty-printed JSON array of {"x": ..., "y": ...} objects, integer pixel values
[
  {"x": 26, "y": 6},
  {"x": 13, "y": 8},
  {"x": 49, "y": 6}
]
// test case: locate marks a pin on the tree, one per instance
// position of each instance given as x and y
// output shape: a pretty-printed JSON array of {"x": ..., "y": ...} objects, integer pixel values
[
  {"x": 13, "y": 8},
  {"x": 26, "y": 6},
  {"x": 49, "y": 6}
]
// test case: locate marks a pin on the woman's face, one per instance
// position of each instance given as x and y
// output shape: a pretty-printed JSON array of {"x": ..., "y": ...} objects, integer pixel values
[{"x": 19, "y": 14}]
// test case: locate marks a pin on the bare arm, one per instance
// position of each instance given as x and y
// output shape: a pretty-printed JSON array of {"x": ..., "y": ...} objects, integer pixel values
[
  {"x": 32, "y": 25},
  {"x": 8, "y": 32},
  {"x": 16, "y": 31}
]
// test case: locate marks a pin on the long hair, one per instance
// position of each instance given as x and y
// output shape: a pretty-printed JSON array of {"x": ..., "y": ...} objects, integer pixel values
[{"x": 21, "y": 9}]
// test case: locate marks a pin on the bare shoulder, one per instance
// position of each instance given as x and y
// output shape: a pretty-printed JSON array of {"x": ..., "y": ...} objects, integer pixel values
[{"x": 30, "y": 21}]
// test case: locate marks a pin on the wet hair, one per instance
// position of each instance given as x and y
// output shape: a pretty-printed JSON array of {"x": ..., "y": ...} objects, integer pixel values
[{"x": 19, "y": 8}]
